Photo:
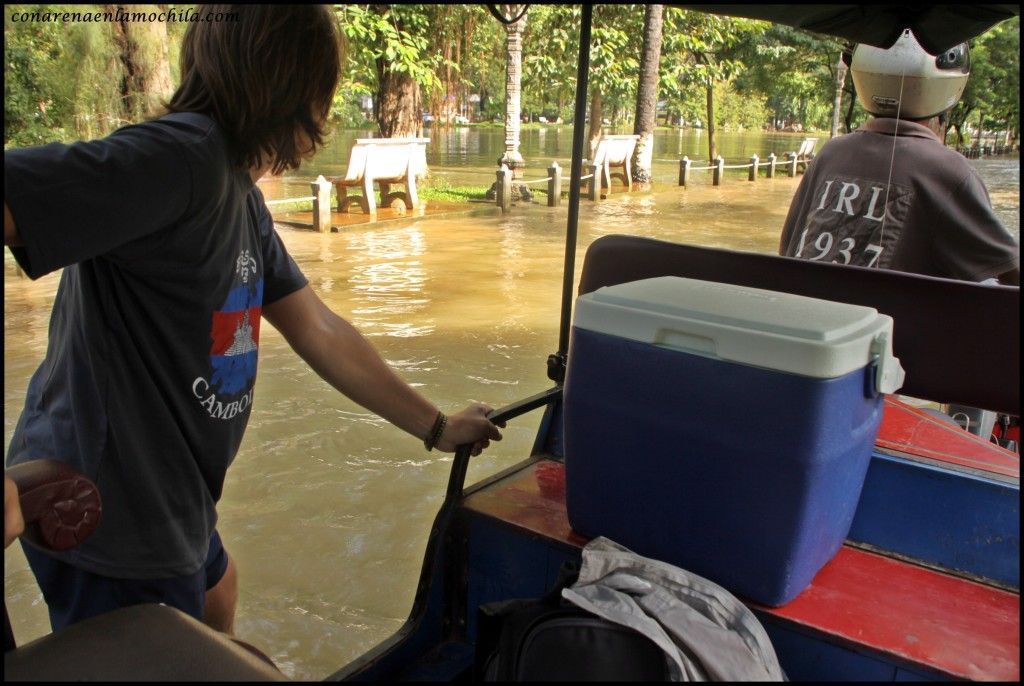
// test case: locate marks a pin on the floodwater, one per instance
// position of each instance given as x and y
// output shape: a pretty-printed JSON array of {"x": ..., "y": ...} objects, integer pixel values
[{"x": 327, "y": 508}]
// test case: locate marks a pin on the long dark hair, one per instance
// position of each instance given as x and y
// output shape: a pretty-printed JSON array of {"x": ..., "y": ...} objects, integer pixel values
[{"x": 267, "y": 75}]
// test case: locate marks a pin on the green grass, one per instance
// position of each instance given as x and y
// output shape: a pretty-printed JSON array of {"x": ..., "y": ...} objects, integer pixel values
[
  {"x": 295, "y": 206},
  {"x": 441, "y": 189}
]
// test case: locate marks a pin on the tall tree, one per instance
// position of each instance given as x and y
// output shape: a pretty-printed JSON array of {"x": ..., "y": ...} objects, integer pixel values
[
  {"x": 549, "y": 66},
  {"x": 613, "y": 63},
  {"x": 397, "y": 105},
  {"x": 709, "y": 39},
  {"x": 147, "y": 71},
  {"x": 647, "y": 94},
  {"x": 797, "y": 70},
  {"x": 387, "y": 54},
  {"x": 992, "y": 95}
]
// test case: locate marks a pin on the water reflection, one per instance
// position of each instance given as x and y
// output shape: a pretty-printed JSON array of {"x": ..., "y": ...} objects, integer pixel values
[{"x": 327, "y": 507}]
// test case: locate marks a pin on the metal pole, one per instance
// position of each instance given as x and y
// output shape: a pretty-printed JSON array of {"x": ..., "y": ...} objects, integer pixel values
[{"x": 556, "y": 363}]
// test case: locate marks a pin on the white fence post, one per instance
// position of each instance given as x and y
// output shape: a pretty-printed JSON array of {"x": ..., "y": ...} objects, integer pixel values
[
  {"x": 554, "y": 185},
  {"x": 594, "y": 187},
  {"x": 321, "y": 204},
  {"x": 684, "y": 170},
  {"x": 503, "y": 190}
]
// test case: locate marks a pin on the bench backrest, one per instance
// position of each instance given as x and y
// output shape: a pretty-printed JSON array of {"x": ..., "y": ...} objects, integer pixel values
[
  {"x": 958, "y": 341},
  {"x": 387, "y": 158},
  {"x": 807, "y": 147},
  {"x": 616, "y": 148}
]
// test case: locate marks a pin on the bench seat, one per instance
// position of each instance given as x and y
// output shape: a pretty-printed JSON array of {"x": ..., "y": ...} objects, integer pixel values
[
  {"x": 385, "y": 161},
  {"x": 890, "y": 612}
]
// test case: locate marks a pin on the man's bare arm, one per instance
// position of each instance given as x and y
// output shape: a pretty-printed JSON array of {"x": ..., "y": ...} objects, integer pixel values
[{"x": 340, "y": 355}]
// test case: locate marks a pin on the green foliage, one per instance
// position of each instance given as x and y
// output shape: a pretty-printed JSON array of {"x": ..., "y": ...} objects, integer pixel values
[
  {"x": 439, "y": 188},
  {"x": 701, "y": 48},
  {"x": 615, "y": 45},
  {"x": 549, "y": 62},
  {"x": 992, "y": 95},
  {"x": 739, "y": 111},
  {"x": 62, "y": 80},
  {"x": 35, "y": 104}
]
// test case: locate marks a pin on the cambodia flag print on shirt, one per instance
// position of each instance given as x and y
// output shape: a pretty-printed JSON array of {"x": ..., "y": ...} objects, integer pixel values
[{"x": 235, "y": 335}]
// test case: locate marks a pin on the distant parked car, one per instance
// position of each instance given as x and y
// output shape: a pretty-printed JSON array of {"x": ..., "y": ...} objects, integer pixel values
[{"x": 427, "y": 117}]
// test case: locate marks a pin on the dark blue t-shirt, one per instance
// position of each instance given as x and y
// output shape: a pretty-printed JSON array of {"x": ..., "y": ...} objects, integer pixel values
[{"x": 169, "y": 256}]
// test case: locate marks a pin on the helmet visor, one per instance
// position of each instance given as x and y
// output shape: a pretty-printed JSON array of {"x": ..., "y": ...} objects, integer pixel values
[{"x": 956, "y": 59}]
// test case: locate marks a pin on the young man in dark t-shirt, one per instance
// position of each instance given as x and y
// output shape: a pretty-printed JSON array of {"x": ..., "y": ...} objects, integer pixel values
[
  {"x": 171, "y": 262},
  {"x": 891, "y": 195}
]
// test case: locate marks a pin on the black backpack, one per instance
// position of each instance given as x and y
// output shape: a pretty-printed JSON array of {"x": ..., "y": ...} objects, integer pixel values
[{"x": 550, "y": 639}]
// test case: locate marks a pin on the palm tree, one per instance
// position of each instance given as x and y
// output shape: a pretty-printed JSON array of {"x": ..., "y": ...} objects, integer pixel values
[{"x": 647, "y": 94}]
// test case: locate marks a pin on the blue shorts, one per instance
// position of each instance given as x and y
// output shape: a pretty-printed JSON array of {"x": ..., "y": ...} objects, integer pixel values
[{"x": 73, "y": 594}]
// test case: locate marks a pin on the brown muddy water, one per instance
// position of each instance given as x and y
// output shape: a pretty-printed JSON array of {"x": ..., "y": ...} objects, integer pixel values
[{"x": 327, "y": 508}]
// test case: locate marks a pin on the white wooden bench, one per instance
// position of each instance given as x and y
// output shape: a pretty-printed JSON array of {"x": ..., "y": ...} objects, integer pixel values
[
  {"x": 386, "y": 161},
  {"x": 616, "y": 151},
  {"x": 805, "y": 153}
]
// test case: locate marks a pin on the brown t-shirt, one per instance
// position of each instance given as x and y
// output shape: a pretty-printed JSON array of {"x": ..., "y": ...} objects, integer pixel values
[{"x": 938, "y": 219}]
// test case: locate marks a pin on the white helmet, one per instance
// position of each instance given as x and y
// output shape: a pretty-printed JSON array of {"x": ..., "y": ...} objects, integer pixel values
[{"x": 926, "y": 84}]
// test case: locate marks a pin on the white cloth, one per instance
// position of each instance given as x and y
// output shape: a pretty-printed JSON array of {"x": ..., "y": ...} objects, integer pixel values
[{"x": 706, "y": 633}]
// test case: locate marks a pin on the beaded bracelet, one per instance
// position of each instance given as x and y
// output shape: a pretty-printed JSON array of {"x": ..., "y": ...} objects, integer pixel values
[{"x": 435, "y": 431}]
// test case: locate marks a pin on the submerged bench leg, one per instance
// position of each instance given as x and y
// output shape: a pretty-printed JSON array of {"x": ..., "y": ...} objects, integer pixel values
[
  {"x": 412, "y": 199},
  {"x": 368, "y": 202},
  {"x": 343, "y": 199}
]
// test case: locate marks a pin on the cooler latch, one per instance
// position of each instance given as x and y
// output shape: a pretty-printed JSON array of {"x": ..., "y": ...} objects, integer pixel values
[{"x": 889, "y": 372}]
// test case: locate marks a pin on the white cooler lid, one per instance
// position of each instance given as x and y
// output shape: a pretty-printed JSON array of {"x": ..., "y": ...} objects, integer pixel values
[{"x": 779, "y": 331}]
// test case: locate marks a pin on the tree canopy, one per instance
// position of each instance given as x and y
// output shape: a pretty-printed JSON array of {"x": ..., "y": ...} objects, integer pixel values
[{"x": 67, "y": 81}]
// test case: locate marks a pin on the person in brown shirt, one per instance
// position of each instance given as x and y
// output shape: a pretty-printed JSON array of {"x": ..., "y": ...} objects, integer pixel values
[{"x": 891, "y": 195}]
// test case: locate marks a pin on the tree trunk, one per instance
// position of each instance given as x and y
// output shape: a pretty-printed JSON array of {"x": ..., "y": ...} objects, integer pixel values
[
  {"x": 959, "y": 134},
  {"x": 837, "y": 104},
  {"x": 712, "y": 151},
  {"x": 647, "y": 95},
  {"x": 848, "y": 119},
  {"x": 396, "y": 106},
  {"x": 512, "y": 158},
  {"x": 595, "y": 120},
  {"x": 142, "y": 48}
]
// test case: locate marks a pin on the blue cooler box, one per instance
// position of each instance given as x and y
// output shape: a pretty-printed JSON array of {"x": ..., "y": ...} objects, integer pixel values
[{"x": 723, "y": 429}]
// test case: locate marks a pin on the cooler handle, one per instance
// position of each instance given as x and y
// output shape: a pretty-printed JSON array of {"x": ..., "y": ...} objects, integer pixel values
[{"x": 886, "y": 370}]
